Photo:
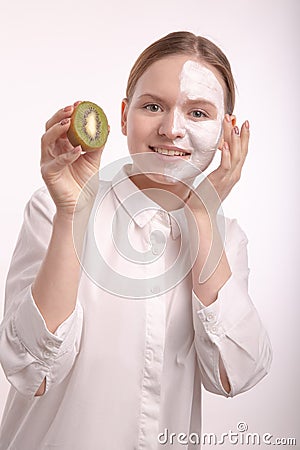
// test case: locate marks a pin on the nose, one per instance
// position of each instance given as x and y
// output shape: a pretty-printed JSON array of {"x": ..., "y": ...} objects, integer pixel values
[{"x": 172, "y": 125}]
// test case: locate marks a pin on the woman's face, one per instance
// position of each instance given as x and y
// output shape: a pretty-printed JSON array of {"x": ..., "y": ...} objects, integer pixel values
[{"x": 174, "y": 119}]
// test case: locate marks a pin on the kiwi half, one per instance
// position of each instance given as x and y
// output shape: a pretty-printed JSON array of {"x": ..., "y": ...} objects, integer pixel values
[{"x": 89, "y": 127}]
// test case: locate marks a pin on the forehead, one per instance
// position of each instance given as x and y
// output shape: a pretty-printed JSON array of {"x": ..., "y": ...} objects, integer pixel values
[
  {"x": 194, "y": 77},
  {"x": 181, "y": 73}
]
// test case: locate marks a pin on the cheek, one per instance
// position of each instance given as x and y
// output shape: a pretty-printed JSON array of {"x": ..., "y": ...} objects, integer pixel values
[
  {"x": 134, "y": 127},
  {"x": 205, "y": 136},
  {"x": 138, "y": 125},
  {"x": 201, "y": 137}
]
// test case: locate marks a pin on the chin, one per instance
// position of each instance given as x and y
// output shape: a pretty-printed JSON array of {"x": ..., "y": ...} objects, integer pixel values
[
  {"x": 169, "y": 171},
  {"x": 162, "y": 178}
]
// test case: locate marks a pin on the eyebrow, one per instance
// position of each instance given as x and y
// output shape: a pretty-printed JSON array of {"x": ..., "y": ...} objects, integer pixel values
[
  {"x": 154, "y": 97},
  {"x": 197, "y": 101},
  {"x": 203, "y": 101}
]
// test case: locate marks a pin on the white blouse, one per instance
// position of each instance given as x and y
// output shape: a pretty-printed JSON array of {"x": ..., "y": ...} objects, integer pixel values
[{"x": 130, "y": 360}]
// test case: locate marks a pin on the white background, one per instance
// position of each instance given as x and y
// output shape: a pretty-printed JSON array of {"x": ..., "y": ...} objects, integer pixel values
[{"x": 54, "y": 53}]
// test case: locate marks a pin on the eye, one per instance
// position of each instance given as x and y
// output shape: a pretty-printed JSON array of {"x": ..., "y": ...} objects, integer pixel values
[
  {"x": 153, "y": 107},
  {"x": 198, "y": 114}
]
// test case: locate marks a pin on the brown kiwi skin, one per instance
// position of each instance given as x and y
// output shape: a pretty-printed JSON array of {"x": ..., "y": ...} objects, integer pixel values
[{"x": 73, "y": 137}]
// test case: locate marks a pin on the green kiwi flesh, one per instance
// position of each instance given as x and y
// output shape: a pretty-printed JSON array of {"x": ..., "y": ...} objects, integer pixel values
[{"x": 89, "y": 127}]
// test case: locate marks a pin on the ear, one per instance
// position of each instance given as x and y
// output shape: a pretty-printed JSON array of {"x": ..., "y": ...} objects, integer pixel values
[
  {"x": 124, "y": 111},
  {"x": 226, "y": 130}
]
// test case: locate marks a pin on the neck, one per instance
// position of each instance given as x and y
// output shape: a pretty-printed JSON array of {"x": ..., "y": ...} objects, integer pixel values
[{"x": 168, "y": 196}]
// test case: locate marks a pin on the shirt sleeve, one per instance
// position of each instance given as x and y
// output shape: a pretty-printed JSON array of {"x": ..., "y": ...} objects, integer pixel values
[
  {"x": 231, "y": 328},
  {"x": 29, "y": 352}
]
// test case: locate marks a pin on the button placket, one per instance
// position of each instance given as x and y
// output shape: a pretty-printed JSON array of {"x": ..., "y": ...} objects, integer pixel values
[
  {"x": 210, "y": 317},
  {"x": 49, "y": 344},
  {"x": 155, "y": 250},
  {"x": 46, "y": 354},
  {"x": 153, "y": 366},
  {"x": 155, "y": 289},
  {"x": 157, "y": 241}
]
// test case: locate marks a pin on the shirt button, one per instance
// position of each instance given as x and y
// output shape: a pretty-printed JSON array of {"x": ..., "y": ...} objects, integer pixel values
[
  {"x": 214, "y": 330},
  {"x": 155, "y": 250},
  {"x": 47, "y": 354},
  {"x": 150, "y": 355},
  {"x": 49, "y": 343},
  {"x": 201, "y": 314},
  {"x": 155, "y": 289},
  {"x": 210, "y": 317}
]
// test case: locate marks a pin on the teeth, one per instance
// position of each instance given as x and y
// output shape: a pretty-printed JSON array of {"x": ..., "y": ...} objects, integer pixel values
[{"x": 164, "y": 151}]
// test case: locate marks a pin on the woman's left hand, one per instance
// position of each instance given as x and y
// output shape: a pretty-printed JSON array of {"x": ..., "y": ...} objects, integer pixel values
[{"x": 218, "y": 184}]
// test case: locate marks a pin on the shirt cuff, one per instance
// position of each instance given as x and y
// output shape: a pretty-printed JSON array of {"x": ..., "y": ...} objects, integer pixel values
[
  {"x": 31, "y": 329},
  {"x": 233, "y": 303}
]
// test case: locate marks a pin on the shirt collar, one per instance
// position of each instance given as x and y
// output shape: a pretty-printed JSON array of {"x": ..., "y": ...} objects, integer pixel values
[{"x": 140, "y": 207}]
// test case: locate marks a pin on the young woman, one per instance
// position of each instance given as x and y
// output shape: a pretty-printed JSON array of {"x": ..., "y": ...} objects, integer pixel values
[{"x": 113, "y": 356}]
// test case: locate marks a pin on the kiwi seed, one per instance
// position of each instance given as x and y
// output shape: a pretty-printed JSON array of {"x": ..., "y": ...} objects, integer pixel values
[{"x": 89, "y": 127}]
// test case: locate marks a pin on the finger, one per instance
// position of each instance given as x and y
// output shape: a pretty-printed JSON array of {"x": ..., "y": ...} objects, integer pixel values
[
  {"x": 228, "y": 124},
  {"x": 59, "y": 116},
  {"x": 245, "y": 135},
  {"x": 235, "y": 146},
  {"x": 225, "y": 163},
  {"x": 52, "y": 168},
  {"x": 51, "y": 136}
]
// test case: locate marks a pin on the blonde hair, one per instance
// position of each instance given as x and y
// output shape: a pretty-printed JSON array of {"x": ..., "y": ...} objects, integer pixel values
[{"x": 184, "y": 43}]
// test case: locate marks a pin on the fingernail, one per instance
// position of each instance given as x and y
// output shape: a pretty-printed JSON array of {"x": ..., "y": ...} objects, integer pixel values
[
  {"x": 64, "y": 121},
  {"x": 236, "y": 130},
  {"x": 77, "y": 103},
  {"x": 68, "y": 108},
  {"x": 247, "y": 125},
  {"x": 227, "y": 117}
]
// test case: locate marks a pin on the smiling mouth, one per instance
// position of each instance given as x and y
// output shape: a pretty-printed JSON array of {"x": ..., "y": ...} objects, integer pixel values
[{"x": 169, "y": 152}]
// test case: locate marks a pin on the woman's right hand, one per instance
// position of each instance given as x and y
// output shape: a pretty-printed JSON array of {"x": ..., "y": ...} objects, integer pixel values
[{"x": 64, "y": 168}]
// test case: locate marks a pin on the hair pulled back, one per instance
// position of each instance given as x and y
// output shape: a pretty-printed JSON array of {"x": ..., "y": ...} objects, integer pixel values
[{"x": 184, "y": 43}]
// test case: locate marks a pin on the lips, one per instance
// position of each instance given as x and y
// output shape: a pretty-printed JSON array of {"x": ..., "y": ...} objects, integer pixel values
[{"x": 170, "y": 151}]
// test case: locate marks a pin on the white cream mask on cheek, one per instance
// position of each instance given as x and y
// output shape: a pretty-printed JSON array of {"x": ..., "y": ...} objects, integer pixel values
[{"x": 200, "y": 137}]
